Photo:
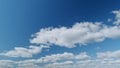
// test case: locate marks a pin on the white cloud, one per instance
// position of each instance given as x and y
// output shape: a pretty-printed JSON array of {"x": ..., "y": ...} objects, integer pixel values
[
  {"x": 80, "y": 33},
  {"x": 67, "y": 62},
  {"x": 58, "y": 57},
  {"x": 64, "y": 64},
  {"x": 64, "y": 56},
  {"x": 82, "y": 56},
  {"x": 111, "y": 31},
  {"x": 85, "y": 64},
  {"x": 6, "y": 64},
  {"x": 24, "y": 52},
  {"x": 49, "y": 60},
  {"x": 109, "y": 55},
  {"x": 117, "y": 17},
  {"x": 28, "y": 65}
]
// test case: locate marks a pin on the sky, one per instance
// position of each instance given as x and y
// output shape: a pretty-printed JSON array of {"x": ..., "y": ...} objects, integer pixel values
[{"x": 59, "y": 33}]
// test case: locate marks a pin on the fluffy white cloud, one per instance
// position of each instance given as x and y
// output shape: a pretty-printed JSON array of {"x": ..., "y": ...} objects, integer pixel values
[
  {"x": 79, "y": 33},
  {"x": 117, "y": 17},
  {"x": 109, "y": 55},
  {"x": 24, "y": 52}
]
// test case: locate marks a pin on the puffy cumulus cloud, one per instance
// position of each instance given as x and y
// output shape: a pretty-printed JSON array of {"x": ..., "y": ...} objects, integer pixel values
[
  {"x": 80, "y": 33},
  {"x": 24, "y": 52},
  {"x": 109, "y": 55},
  {"x": 117, "y": 17},
  {"x": 68, "y": 37}
]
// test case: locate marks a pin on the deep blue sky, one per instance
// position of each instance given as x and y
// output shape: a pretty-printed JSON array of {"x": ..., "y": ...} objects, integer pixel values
[{"x": 19, "y": 19}]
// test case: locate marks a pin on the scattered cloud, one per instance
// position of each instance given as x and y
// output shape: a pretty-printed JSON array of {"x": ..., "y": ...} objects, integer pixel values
[
  {"x": 81, "y": 33},
  {"x": 24, "y": 52}
]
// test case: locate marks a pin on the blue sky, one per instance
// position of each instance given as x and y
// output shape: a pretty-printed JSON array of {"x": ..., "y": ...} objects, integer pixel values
[{"x": 34, "y": 29}]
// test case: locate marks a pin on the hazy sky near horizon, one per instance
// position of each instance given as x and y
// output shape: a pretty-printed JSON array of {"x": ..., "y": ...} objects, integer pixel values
[{"x": 59, "y": 33}]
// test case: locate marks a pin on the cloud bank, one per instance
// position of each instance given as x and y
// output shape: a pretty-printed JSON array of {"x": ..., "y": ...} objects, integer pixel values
[{"x": 65, "y": 60}]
